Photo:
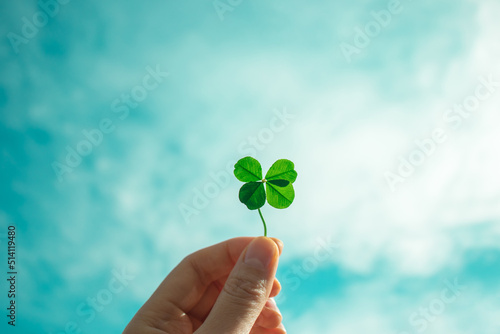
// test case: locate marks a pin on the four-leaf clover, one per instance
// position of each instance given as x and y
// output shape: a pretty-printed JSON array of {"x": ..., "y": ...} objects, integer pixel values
[{"x": 278, "y": 182}]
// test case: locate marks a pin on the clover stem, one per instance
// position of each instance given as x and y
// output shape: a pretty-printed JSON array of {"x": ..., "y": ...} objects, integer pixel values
[{"x": 264, "y": 222}]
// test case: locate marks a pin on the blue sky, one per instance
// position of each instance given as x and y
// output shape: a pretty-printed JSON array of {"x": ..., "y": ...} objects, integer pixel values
[{"x": 396, "y": 222}]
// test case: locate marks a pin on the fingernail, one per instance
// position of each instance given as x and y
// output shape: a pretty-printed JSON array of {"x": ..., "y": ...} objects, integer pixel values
[
  {"x": 281, "y": 326},
  {"x": 260, "y": 253}
]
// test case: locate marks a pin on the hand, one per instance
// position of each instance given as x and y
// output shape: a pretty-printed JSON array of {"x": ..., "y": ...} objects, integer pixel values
[{"x": 223, "y": 289}]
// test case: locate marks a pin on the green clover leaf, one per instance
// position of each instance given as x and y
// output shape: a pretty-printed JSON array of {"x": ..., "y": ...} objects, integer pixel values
[
  {"x": 282, "y": 170},
  {"x": 252, "y": 194},
  {"x": 278, "y": 182},
  {"x": 248, "y": 169}
]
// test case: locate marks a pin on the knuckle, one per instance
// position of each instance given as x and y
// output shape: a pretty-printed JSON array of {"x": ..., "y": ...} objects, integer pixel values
[{"x": 245, "y": 291}]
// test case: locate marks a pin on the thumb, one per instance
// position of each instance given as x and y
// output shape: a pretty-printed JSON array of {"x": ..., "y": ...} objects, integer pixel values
[{"x": 246, "y": 290}]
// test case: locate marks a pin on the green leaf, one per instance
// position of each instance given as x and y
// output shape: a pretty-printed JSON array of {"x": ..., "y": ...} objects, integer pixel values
[
  {"x": 253, "y": 195},
  {"x": 280, "y": 197},
  {"x": 278, "y": 191},
  {"x": 248, "y": 170},
  {"x": 279, "y": 183},
  {"x": 282, "y": 169}
]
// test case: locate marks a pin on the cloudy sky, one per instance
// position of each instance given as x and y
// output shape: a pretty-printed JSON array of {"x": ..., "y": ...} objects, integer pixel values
[{"x": 120, "y": 124}]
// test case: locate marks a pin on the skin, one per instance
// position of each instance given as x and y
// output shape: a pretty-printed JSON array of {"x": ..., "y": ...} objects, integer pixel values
[{"x": 218, "y": 289}]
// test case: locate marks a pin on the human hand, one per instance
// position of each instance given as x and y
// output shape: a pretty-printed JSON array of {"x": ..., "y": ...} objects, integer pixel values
[{"x": 226, "y": 288}]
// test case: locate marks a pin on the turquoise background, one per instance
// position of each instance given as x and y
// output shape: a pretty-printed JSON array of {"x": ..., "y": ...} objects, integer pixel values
[{"x": 351, "y": 91}]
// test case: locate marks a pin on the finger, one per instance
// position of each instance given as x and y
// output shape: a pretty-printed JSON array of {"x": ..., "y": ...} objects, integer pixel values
[
  {"x": 279, "y": 243},
  {"x": 204, "y": 306},
  {"x": 270, "y": 317},
  {"x": 261, "y": 330},
  {"x": 202, "y": 309},
  {"x": 246, "y": 290},
  {"x": 186, "y": 284},
  {"x": 206, "y": 302},
  {"x": 276, "y": 288},
  {"x": 274, "y": 292}
]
